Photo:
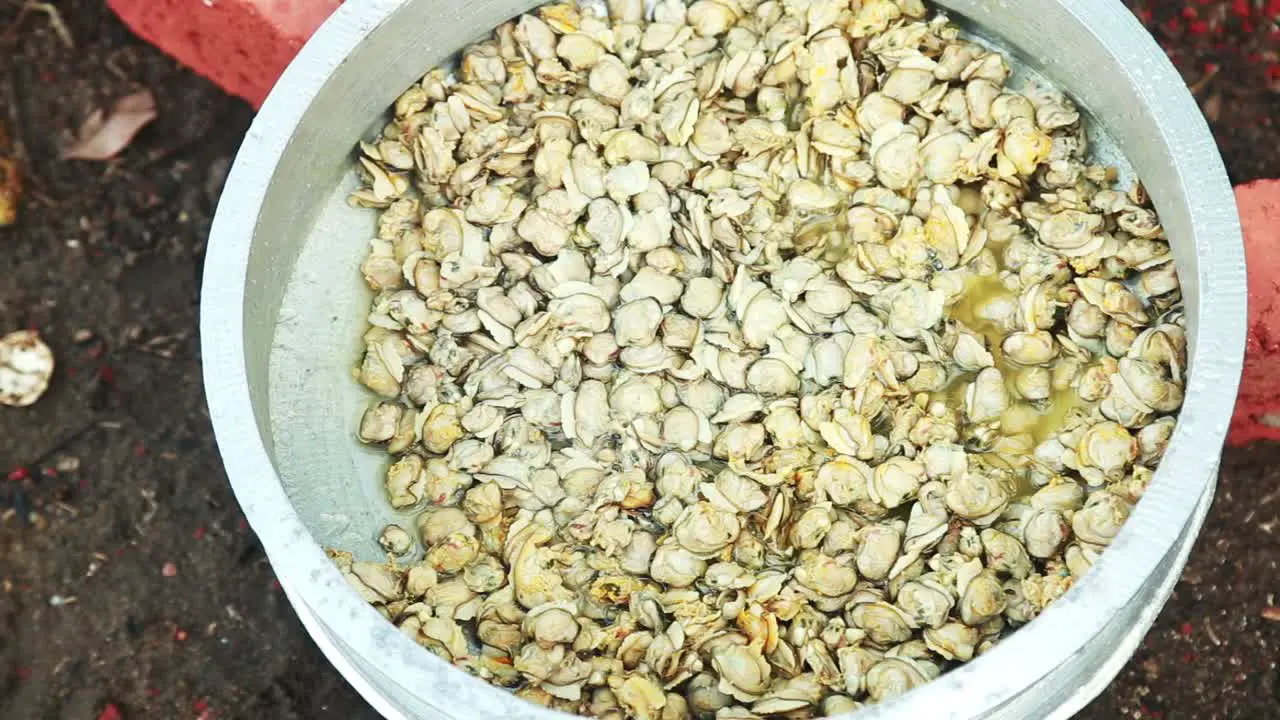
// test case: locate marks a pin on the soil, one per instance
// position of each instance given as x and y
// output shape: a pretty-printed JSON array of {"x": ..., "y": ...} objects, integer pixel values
[{"x": 130, "y": 584}]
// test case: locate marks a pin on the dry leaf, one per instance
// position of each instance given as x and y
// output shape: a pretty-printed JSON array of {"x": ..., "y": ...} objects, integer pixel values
[
  {"x": 103, "y": 137},
  {"x": 10, "y": 191},
  {"x": 10, "y": 181}
]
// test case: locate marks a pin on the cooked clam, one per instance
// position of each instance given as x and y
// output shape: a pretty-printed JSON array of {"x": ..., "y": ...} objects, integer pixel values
[{"x": 745, "y": 361}]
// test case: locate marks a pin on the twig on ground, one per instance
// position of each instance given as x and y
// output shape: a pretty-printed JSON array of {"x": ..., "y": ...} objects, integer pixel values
[
  {"x": 63, "y": 443},
  {"x": 1209, "y": 74},
  {"x": 162, "y": 346},
  {"x": 152, "y": 508},
  {"x": 55, "y": 20},
  {"x": 112, "y": 62}
]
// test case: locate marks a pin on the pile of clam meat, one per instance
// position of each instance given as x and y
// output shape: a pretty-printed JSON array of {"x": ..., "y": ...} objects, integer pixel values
[{"x": 748, "y": 359}]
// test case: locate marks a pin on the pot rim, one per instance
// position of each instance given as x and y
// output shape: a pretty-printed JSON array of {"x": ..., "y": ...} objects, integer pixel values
[{"x": 1179, "y": 491}]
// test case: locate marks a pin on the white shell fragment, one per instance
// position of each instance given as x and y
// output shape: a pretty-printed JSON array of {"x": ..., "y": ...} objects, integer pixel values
[
  {"x": 26, "y": 366},
  {"x": 739, "y": 360}
]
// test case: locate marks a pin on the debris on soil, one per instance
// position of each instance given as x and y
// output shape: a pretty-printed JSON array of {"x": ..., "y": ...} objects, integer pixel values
[
  {"x": 1257, "y": 414},
  {"x": 10, "y": 180},
  {"x": 1237, "y": 44},
  {"x": 26, "y": 365},
  {"x": 1271, "y": 613},
  {"x": 104, "y": 135},
  {"x": 10, "y": 191}
]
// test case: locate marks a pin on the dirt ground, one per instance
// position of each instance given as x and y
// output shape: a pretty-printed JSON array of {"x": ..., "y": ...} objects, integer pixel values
[{"x": 130, "y": 585}]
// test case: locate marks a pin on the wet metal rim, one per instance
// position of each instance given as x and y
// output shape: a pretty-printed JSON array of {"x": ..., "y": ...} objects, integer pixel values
[{"x": 1174, "y": 506}]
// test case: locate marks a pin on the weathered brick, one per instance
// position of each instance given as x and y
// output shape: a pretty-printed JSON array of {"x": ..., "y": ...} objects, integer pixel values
[
  {"x": 242, "y": 45},
  {"x": 1257, "y": 413}
]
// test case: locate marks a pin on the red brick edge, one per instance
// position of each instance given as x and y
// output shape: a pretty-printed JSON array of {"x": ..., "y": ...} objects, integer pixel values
[
  {"x": 242, "y": 45},
  {"x": 1257, "y": 415}
]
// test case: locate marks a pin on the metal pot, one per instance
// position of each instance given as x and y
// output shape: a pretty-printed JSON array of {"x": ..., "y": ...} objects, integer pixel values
[{"x": 283, "y": 309}]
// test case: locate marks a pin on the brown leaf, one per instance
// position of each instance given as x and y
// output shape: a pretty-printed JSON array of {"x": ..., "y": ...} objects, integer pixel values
[
  {"x": 103, "y": 137},
  {"x": 10, "y": 191},
  {"x": 10, "y": 181}
]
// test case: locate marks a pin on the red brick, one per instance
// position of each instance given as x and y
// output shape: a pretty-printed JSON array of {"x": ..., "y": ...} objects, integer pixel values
[
  {"x": 1257, "y": 413},
  {"x": 242, "y": 45}
]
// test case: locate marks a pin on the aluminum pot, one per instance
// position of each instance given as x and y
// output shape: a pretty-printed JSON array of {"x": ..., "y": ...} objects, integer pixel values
[{"x": 283, "y": 309}]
